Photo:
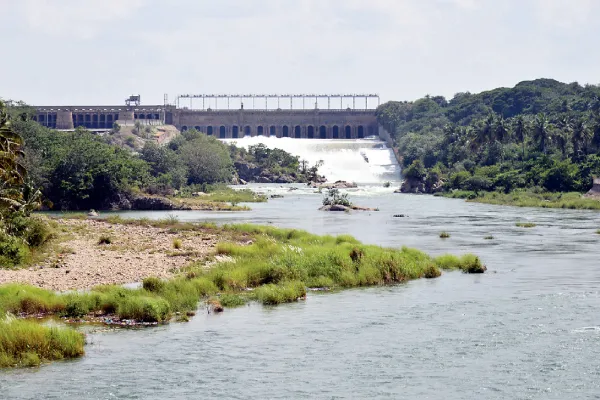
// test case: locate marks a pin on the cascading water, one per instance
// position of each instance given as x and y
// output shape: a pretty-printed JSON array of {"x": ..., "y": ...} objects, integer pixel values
[{"x": 364, "y": 161}]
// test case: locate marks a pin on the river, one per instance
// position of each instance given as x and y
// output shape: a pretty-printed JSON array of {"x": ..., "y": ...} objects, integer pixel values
[{"x": 527, "y": 329}]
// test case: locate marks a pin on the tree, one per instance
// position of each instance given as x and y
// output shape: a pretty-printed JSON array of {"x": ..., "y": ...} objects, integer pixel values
[
  {"x": 138, "y": 127},
  {"x": 581, "y": 138},
  {"x": 415, "y": 171},
  {"x": 520, "y": 131},
  {"x": 542, "y": 132},
  {"x": 207, "y": 160},
  {"x": 12, "y": 171},
  {"x": 501, "y": 131}
]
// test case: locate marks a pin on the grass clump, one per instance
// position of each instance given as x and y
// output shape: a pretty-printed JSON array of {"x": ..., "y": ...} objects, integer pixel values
[
  {"x": 24, "y": 299},
  {"x": 153, "y": 284},
  {"x": 28, "y": 344},
  {"x": 177, "y": 244},
  {"x": 104, "y": 239},
  {"x": 468, "y": 263},
  {"x": 444, "y": 235},
  {"x": 489, "y": 237},
  {"x": 285, "y": 292},
  {"x": 525, "y": 225},
  {"x": 232, "y": 300}
]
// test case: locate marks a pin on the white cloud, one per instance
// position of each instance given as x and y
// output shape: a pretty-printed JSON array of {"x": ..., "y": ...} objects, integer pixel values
[
  {"x": 76, "y": 18},
  {"x": 566, "y": 14}
]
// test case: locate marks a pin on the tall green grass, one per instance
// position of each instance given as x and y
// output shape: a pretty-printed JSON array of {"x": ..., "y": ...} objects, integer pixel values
[
  {"x": 27, "y": 344},
  {"x": 530, "y": 198}
]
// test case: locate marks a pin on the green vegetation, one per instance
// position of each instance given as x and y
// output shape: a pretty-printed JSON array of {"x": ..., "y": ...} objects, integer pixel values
[
  {"x": 335, "y": 198},
  {"x": 81, "y": 171},
  {"x": 541, "y": 135},
  {"x": 104, "y": 239},
  {"x": 28, "y": 344},
  {"x": 264, "y": 264},
  {"x": 467, "y": 263},
  {"x": 272, "y": 164},
  {"x": 444, "y": 235},
  {"x": 489, "y": 237},
  {"x": 20, "y": 234},
  {"x": 530, "y": 198},
  {"x": 525, "y": 225},
  {"x": 177, "y": 244}
]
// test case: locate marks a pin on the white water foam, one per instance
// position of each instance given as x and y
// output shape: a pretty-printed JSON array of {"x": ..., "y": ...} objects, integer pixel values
[{"x": 364, "y": 161}]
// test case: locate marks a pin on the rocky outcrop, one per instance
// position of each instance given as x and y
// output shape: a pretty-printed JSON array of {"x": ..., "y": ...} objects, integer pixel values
[
  {"x": 144, "y": 203},
  {"x": 339, "y": 207},
  {"x": 334, "y": 185},
  {"x": 595, "y": 190},
  {"x": 411, "y": 185}
]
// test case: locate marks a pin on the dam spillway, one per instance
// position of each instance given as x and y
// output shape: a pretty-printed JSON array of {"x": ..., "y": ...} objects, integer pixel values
[{"x": 364, "y": 161}]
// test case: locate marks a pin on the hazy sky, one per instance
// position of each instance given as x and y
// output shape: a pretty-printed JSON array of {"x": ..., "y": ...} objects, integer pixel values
[{"x": 58, "y": 52}]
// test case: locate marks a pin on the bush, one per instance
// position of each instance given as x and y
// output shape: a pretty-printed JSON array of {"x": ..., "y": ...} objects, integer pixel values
[
  {"x": 177, "y": 244},
  {"x": 13, "y": 251},
  {"x": 334, "y": 197},
  {"x": 104, "y": 239},
  {"x": 415, "y": 171},
  {"x": 444, "y": 235},
  {"x": 153, "y": 284}
]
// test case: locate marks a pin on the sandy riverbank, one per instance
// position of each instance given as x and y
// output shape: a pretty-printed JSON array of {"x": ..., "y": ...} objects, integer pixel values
[{"x": 135, "y": 253}]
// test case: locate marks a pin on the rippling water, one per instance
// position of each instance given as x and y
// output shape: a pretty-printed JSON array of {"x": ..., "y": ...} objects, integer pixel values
[{"x": 528, "y": 329}]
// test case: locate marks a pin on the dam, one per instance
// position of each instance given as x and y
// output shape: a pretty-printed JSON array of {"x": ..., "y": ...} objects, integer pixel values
[{"x": 328, "y": 116}]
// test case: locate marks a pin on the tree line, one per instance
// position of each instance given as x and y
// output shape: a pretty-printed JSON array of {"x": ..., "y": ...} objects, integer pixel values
[{"x": 540, "y": 133}]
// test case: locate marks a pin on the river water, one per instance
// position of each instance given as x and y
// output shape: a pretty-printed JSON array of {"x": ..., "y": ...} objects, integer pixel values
[{"x": 527, "y": 329}]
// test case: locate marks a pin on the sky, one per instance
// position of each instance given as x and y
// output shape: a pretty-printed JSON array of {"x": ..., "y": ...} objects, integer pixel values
[{"x": 88, "y": 52}]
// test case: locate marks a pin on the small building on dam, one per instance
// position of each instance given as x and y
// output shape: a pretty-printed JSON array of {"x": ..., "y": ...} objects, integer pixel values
[{"x": 323, "y": 121}]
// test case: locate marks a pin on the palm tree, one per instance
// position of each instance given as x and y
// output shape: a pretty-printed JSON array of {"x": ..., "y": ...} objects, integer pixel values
[
  {"x": 12, "y": 171},
  {"x": 484, "y": 132},
  {"x": 520, "y": 131},
  {"x": 581, "y": 137},
  {"x": 541, "y": 132},
  {"x": 501, "y": 132}
]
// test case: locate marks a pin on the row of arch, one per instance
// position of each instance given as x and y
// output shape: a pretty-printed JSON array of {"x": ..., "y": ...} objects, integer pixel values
[
  {"x": 92, "y": 121},
  {"x": 298, "y": 131}
]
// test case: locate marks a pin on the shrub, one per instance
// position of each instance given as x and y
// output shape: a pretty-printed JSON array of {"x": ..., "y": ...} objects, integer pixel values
[
  {"x": 334, "y": 197},
  {"x": 104, "y": 239},
  {"x": 444, "y": 235},
  {"x": 13, "y": 251},
  {"x": 177, "y": 243},
  {"x": 490, "y": 237},
  {"x": 416, "y": 170},
  {"x": 153, "y": 284}
]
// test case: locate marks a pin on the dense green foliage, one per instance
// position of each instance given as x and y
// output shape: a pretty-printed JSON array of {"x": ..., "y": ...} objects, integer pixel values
[
  {"x": 81, "y": 170},
  {"x": 19, "y": 233},
  {"x": 274, "y": 162},
  {"x": 540, "y": 133}
]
